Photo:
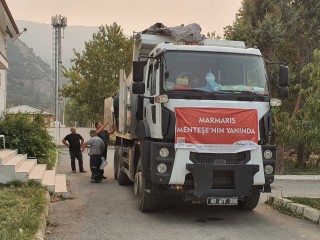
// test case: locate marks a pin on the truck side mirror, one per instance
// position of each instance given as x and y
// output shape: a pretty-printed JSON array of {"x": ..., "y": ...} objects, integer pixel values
[
  {"x": 137, "y": 71},
  {"x": 283, "y": 92},
  {"x": 283, "y": 76},
  {"x": 138, "y": 88}
]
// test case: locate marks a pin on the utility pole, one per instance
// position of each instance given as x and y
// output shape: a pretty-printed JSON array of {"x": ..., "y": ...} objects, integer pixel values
[{"x": 58, "y": 23}]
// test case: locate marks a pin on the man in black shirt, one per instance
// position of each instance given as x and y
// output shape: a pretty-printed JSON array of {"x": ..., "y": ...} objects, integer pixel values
[{"x": 74, "y": 142}]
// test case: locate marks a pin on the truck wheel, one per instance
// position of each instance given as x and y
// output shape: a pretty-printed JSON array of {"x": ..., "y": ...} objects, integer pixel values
[
  {"x": 250, "y": 202},
  {"x": 122, "y": 177},
  {"x": 147, "y": 198},
  {"x": 115, "y": 162}
]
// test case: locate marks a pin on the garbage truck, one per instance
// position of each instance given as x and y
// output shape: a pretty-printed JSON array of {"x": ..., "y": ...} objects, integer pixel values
[{"x": 195, "y": 117}]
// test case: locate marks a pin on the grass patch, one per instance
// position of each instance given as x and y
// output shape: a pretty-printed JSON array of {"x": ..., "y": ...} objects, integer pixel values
[
  {"x": 290, "y": 169},
  {"x": 284, "y": 210},
  {"x": 311, "y": 202},
  {"x": 21, "y": 206}
]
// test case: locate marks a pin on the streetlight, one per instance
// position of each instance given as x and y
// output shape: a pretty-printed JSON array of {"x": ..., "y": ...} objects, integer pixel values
[{"x": 24, "y": 30}]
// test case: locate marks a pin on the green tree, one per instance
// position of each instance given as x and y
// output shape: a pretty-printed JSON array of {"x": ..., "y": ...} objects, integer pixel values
[
  {"x": 285, "y": 30},
  {"x": 95, "y": 74},
  {"x": 306, "y": 126},
  {"x": 303, "y": 131},
  {"x": 282, "y": 29},
  {"x": 213, "y": 35},
  {"x": 258, "y": 24},
  {"x": 77, "y": 115}
]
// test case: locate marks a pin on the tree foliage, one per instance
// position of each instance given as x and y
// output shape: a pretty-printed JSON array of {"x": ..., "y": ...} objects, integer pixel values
[
  {"x": 78, "y": 115},
  {"x": 213, "y": 35},
  {"x": 303, "y": 131},
  {"x": 282, "y": 29},
  {"x": 286, "y": 30},
  {"x": 95, "y": 73}
]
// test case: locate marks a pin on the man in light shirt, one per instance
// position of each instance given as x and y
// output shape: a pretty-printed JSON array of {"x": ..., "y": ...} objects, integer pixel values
[{"x": 97, "y": 147}]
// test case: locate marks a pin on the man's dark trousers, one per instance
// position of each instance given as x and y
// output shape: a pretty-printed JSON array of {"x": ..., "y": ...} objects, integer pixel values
[
  {"x": 95, "y": 162},
  {"x": 76, "y": 155}
]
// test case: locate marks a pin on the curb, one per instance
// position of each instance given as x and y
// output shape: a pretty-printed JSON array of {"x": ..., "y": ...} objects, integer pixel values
[
  {"x": 297, "y": 177},
  {"x": 40, "y": 235},
  {"x": 300, "y": 210}
]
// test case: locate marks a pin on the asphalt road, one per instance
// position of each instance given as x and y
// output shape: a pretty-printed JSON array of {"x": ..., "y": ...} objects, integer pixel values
[{"x": 108, "y": 211}]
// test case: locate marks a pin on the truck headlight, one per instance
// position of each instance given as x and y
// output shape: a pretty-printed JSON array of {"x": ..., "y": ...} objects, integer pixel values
[
  {"x": 267, "y": 154},
  {"x": 162, "y": 99},
  {"x": 268, "y": 169},
  {"x": 162, "y": 168},
  {"x": 164, "y": 152},
  {"x": 275, "y": 102}
]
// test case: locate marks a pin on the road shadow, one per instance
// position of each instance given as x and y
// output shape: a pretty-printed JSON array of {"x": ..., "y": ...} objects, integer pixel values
[{"x": 172, "y": 207}]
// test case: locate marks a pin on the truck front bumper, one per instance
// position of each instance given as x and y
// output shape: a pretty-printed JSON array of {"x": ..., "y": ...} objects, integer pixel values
[{"x": 215, "y": 180}]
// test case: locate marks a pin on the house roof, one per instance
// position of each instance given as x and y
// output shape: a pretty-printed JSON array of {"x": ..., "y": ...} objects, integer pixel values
[
  {"x": 10, "y": 16},
  {"x": 25, "y": 109}
]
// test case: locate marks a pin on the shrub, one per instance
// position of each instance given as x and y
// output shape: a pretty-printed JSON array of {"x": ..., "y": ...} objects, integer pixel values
[
  {"x": 28, "y": 136},
  {"x": 50, "y": 159}
]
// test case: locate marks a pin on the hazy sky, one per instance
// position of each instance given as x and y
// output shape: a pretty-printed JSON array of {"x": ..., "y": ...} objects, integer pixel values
[{"x": 131, "y": 15}]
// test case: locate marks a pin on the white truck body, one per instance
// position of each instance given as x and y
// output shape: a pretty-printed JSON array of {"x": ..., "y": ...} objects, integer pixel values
[{"x": 147, "y": 125}]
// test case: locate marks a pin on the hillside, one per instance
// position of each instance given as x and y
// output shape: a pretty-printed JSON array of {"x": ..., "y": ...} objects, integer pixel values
[
  {"x": 30, "y": 75},
  {"x": 30, "y": 79},
  {"x": 39, "y": 38}
]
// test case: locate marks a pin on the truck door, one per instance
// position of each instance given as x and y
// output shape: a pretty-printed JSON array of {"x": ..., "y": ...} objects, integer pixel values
[{"x": 153, "y": 109}]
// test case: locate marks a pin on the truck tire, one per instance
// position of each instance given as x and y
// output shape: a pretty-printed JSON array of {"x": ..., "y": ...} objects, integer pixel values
[
  {"x": 115, "y": 162},
  {"x": 147, "y": 198},
  {"x": 122, "y": 177},
  {"x": 250, "y": 202}
]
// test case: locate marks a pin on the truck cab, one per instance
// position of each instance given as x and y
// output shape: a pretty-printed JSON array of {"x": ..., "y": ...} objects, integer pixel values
[{"x": 196, "y": 118}]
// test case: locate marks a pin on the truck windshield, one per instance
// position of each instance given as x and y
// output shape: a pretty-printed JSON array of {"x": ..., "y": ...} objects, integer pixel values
[{"x": 214, "y": 72}]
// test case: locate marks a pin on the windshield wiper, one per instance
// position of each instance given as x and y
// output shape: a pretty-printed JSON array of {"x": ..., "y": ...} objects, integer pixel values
[
  {"x": 196, "y": 90},
  {"x": 245, "y": 92},
  {"x": 209, "y": 92}
]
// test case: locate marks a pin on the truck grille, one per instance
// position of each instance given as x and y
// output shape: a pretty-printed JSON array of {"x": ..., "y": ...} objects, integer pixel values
[{"x": 212, "y": 158}]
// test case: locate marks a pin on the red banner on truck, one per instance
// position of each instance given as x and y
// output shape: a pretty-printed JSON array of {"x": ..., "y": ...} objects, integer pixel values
[{"x": 216, "y": 128}]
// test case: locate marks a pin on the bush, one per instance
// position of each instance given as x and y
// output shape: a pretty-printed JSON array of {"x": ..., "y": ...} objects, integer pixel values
[
  {"x": 28, "y": 136},
  {"x": 50, "y": 160}
]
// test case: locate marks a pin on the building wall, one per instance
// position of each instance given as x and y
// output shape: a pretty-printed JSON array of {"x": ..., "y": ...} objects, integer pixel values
[
  {"x": 2, "y": 25},
  {"x": 2, "y": 91},
  {"x": 6, "y": 23},
  {"x": 3, "y": 55},
  {"x": 59, "y": 133},
  {"x": 48, "y": 120}
]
